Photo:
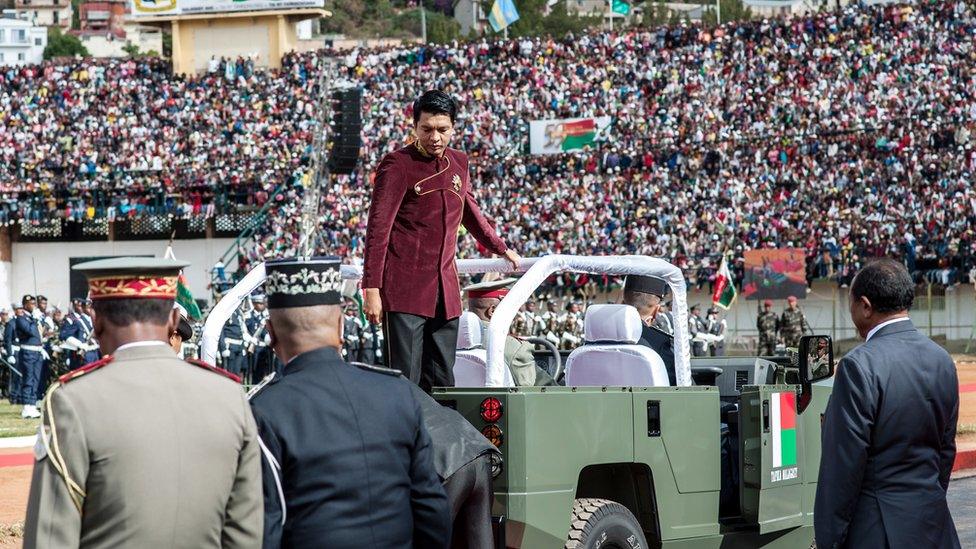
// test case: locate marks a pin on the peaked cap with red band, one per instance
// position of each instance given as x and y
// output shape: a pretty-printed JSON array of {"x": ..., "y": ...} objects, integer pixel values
[
  {"x": 132, "y": 277},
  {"x": 497, "y": 289}
]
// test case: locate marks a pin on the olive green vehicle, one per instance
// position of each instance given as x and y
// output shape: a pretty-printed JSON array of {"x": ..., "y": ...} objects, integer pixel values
[
  {"x": 635, "y": 465},
  {"x": 642, "y": 466}
]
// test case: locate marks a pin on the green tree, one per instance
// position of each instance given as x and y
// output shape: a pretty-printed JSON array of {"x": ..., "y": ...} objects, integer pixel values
[
  {"x": 131, "y": 50},
  {"x": 62, "y": 45},
  {"x": 732, "y": 10},
  {"x": 167, "y": 45}
]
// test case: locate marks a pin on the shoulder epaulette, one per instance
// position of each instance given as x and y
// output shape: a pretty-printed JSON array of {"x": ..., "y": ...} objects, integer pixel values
[
  {"x": 75, "y": 374},
  {"x": 377, "y": 369},
  {"x": 268, "y": 380},
  {"x": 214, "y": 369}
]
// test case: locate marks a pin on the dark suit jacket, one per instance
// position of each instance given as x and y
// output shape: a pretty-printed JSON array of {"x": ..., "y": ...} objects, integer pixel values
[
  {"x": 418, "y": 203},
  {"x": 888, "y": 446},
  {"x": 352, "y": 456},
  {"x": 662, "y": 344}
]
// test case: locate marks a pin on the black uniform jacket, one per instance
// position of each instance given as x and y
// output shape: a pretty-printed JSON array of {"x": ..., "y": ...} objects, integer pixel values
[
  {"x": 662, "y": 344},
  {"x": 888, "y": 445},
  {"x": 347, "y": 461}
]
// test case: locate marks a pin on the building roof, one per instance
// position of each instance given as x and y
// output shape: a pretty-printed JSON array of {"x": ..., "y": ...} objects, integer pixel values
[{"x": 302, "y": 13}]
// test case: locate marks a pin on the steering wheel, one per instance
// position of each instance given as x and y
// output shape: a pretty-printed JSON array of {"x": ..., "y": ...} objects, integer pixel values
[{"x": 555, "y": 353}]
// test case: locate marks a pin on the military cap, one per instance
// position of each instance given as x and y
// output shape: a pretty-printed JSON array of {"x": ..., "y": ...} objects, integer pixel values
[
  {"x": 768, "y": 302},
  {"x": 791, "y": 299},
  {"x": 258, "y": 298},
  {"x": 27, "y": 299},
  {"x": 653, "y": 285},
  {"x": 15, "y": 306},
  {"x": 491, "y": 289},
  {"x": 183, "y": 329},
  {"x": 303, "y": 282},
  {"x": 132, "y": 277}
]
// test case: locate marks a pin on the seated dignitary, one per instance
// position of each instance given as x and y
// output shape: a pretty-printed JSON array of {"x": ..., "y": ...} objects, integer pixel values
[
  {"x": 347, "y": 461},
  {"x": 125, "y": 458},
  {"x": 646, "y": 293},
  {"x": 483, "y": 298}
]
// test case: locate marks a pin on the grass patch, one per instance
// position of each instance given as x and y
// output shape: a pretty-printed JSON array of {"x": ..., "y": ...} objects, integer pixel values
[{"x": 12, "y": 425}]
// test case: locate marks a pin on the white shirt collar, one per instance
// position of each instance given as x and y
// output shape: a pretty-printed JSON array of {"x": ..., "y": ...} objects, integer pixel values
[
  {"x": 883, "y": 324},
  {"x": 140, "y": 344}
]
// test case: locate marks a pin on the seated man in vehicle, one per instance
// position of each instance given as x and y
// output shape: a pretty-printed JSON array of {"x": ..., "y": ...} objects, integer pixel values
[
  {"x": 483, "y": 298},
  {"x": 646, "y": 293}
]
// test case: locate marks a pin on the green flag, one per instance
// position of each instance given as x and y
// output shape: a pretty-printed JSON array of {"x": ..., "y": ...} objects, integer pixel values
[
  {"x": 185, "y": 298},
  {"x": 619, "y": 6}
]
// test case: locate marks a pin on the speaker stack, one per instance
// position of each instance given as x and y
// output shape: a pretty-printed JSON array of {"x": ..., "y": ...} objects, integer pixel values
[{"x": 345, "y": 139}]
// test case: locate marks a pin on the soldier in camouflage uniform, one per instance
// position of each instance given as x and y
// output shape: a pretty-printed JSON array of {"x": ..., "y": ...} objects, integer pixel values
[
  {"x": 767, "y": 324},
  {"x": 792, "y": 324}
]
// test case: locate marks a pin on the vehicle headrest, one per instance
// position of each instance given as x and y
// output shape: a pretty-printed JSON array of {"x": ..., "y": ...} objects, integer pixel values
[
  {"x": 612, "y": 324},
  {"x": 469, "y": 331}
]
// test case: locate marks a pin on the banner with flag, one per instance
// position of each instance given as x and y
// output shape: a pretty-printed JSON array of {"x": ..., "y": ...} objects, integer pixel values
[
  {"x": 561, "y": 135},
  {"x": 619, "y": 6},
  {"x": 782, "y": 410},
  {"x": 184, "y": 297},
  {"x": 725, "y": 293},
  {"x": 502, "y": 14}
]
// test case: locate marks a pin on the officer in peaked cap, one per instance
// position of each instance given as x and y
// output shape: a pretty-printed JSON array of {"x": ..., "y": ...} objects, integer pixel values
[
  {"x": 124, "y": 457},
  {"x": 347, "y": 461},
  {"x": 483, "y": 299},
  {"x": 646, "y": 294}
]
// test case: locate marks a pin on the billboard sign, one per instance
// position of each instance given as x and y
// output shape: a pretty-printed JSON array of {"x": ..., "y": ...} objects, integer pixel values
[
  {"x": 156, "y": 8},
  {"x": 775, "y": 274},
  {"x": 568, "y": 134}
]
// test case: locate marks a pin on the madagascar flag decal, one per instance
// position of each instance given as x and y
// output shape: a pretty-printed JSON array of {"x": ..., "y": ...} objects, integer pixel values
[{"x": 783, "y": 413}]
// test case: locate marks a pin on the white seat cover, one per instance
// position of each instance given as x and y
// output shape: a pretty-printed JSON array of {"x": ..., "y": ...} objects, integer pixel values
[
  {"x": 611, "y": 356},
  {"x": 471, "y": 359}
]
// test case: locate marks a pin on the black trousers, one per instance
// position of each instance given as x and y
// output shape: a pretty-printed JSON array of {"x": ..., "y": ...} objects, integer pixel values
[
  {"x": 469, "y": 493},
  {"x": 422, "y": 348}
]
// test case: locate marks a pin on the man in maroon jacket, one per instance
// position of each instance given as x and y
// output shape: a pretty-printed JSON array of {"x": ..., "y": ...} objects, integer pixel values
[{"x": 421, "y": 196}]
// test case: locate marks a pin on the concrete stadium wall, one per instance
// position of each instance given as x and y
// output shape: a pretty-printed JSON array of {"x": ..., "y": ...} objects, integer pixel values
[
  {"x": 50, "y": 262},
  {"x": 826, "y": 309}
]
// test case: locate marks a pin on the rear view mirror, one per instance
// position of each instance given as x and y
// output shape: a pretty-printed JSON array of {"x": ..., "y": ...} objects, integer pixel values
[{"x": 816, "y": 358}]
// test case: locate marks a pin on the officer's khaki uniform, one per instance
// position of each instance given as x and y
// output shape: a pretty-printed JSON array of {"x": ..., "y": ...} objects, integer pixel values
[{"x": 162, "y": 453}]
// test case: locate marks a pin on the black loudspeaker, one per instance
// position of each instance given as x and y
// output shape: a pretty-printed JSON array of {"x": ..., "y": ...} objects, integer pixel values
[{"x": 345, "y": 139}]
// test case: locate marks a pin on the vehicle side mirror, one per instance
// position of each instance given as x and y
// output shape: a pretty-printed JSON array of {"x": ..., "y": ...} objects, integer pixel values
[{"x": 816, "y": 359}]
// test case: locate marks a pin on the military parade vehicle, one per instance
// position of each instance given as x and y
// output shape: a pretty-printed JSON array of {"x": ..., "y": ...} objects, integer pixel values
[{"x": 618, "y": 458}]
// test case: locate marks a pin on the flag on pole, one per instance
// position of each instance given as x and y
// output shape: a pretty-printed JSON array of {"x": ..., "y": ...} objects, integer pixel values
[
  {"x": 724, "y": 294},
  {"x": 502, "y": 14},
  {"x": 619, "y": 6},
  {"x": 184, "y": 297}
]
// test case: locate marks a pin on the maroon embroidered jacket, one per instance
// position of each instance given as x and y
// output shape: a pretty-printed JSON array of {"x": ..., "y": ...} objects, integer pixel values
[{"x": 418, "y": 204}]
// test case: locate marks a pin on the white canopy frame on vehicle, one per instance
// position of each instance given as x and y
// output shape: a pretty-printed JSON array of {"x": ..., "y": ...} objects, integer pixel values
[{"x": 536, "y": 270}]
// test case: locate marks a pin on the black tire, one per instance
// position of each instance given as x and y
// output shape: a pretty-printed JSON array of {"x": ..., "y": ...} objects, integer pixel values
[{"x": 603, "y": 524}]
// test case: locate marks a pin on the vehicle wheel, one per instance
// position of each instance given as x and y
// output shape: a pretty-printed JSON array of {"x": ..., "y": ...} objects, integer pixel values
[{"x": 603, "y": 524}]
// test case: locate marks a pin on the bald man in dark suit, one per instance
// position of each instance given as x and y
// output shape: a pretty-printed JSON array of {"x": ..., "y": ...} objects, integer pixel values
[{"x": 889, "y": 429}]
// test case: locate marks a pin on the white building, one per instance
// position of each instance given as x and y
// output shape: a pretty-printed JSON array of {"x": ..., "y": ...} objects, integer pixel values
[
  {"x": 48, "y": 13},
  {"x": 21, "y": 43}
]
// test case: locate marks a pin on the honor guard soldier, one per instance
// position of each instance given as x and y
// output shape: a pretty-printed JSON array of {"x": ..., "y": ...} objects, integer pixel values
[
  {"x": 483, "y": 299},
  {"x": 422, "y": 195},
  {"x": 646, "y": 294},
  {"x": 234, "y": 338},
  {"x": 347, "y": 461},
  {"x": 767, "y": 324},
  {"x": 124, "y": 458},
  {"x": 30, "y": 358},
  {"x": 262, "y": 360},
  {"x": 11, "y": 349},
  {"x": 792, "y": 324},
  {"x": 76, "y": 333},
  {"x": 716, "y": 326}
]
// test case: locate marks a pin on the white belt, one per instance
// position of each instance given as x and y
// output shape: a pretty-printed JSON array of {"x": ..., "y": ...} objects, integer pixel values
[
  {"x": 234, "y": 341},
  {"x": 36, "y": 349}
]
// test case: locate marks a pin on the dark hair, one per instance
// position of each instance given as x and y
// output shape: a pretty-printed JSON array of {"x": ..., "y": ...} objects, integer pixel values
[
  {"x": 435, "y": 102},
  {"x": 184, "y": 330},
  {"x": 123, "y": 312},
  {"x": 887, "y": 285}
]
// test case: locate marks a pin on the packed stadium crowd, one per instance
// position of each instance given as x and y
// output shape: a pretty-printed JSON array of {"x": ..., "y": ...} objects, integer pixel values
[{"x": 847, "y": 133}]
